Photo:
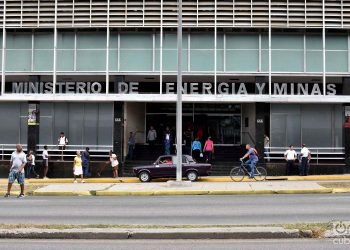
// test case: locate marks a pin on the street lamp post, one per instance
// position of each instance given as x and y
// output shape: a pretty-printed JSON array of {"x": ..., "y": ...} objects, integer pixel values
[{"x": 179, "y": 95}]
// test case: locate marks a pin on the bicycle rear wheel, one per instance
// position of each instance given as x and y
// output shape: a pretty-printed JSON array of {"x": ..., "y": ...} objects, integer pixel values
[
  {"x": 260, "y": 174},
  {"x": 237, "y": 174}
]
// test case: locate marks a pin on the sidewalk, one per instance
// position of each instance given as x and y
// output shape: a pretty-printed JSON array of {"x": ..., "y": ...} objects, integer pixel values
[
  {"x": 183, "y": 188},
  {"x": 343, "y": 177}
]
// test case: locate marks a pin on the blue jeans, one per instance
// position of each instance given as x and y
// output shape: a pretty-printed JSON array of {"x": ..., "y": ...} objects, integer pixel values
[
  {"x": 130, "y": 152},
  {"x": 252, "y": 165},
  {"x": 86, "y": 169},
  {"x": 167, "y": 148}
]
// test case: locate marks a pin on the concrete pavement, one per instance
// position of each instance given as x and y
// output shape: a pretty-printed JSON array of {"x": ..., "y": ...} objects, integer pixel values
[
  {"x": 285, "y": 244},
  {"x": 176, "y": 210}
]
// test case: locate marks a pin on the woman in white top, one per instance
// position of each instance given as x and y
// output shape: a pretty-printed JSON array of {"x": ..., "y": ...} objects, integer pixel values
[{"x": 114, "y": 163}]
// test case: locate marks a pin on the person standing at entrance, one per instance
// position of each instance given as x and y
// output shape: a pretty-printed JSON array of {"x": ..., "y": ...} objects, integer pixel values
[
  {"x": 62, "y": 143},
  {"x": 167, "y": 141},
  {"x": 78, "y": 168},
  {"x": 188, "y": 138},
  {"x": 305, "y": 155},
  {"x": 114, "y": 163},
  {"x": 86, "y": 162},
  {"x": 131, "y": 146},
  {"x": 45, "y": 156},
  {"x": 208, "y": 150},
  {"x": 290, "y": 156},
  {"x": 18, "y": 162},
  {"x": 31, "y": 165},
  {"x": 152, "y": 138},
  {"x": 267, "y": 147},
  {"x": 196, "y": 149}
]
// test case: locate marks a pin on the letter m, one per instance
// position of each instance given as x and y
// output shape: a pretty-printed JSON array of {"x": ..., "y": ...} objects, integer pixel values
[
  {"x": 17, "y": 88},
  {"x": 280, "y": 90}
]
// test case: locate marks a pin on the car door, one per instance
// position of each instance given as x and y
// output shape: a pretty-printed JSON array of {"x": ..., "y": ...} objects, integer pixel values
[{"x": 167, "y": 169}]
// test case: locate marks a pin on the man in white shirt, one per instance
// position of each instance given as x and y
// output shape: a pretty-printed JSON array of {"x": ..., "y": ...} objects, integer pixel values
[
  {"x": 151, "y": 138},
  {"x": 267, "y": 147},
  {"x": 305, "y": 156},
  {"x": 290, "y": 156},
  {"x": 18, "y": 162},
  {"x": 62, "y": 143},
  {"x": 45, "y": 156}
]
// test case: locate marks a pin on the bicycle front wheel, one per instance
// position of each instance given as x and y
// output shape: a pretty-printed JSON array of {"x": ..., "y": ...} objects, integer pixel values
[
  {"x": 260, "y": 174},
  {"x": 237, "y": 174}
]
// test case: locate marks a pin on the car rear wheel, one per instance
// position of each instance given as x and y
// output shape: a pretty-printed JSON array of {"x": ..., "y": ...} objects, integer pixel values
[
  {"x": 192, "y": 175},
  {"x": 144, "y": 176}
]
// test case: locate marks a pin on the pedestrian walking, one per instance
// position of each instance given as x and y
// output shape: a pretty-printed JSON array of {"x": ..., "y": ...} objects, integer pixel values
[
  {"x": 167, "y": 141},
  {"x": 86, "y": 162},
  {"x": 62, "y": 143},
  {"x": 31, "y": 165},
  {"x": 290, "y": 156},
  {"x": 196, "y": 149},
  {"x": 18, "y": 162},
  {"x": 131, "y": 146},
  {"x": 208, "y": 150},
  {"x": 152, "y": 138},
  {"x": 305, "y": 156},
  {"x": 45, "y": 163},
  {"x": 78, "y": 168},
  {"x": 114, "y": 163}
]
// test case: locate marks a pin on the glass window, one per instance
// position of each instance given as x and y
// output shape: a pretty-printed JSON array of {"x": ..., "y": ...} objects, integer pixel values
[
  {"x": 18, "y": 51},
  {"x": 83, "y": 123},
  {"x": 317, "y": 125},
  {"x": 136, "y": 52},
  {"x": 202, "y": 52},
  {"x": 287, "y": 60},
  {"x": 13, "y": 129},
  {"x": 91, "y": 51},
  {"x": 65, "y": 51}
]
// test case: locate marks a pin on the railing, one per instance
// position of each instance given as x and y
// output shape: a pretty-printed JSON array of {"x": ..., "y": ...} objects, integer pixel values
[
  {"x": 96, "y": 151},
  {"x": 318, "y": 154}
]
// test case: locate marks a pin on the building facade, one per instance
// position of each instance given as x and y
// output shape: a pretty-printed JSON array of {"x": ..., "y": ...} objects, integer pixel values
[{"x": 100, "y": 69}]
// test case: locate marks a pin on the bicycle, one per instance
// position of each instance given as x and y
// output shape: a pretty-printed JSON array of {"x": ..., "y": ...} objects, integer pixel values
[{"x": 237, "y": 173}]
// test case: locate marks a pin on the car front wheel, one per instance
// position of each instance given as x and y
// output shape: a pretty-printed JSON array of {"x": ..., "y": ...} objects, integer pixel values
[
  {"x": 192, "y": 175},
  {"x": 144, "y": 176}
]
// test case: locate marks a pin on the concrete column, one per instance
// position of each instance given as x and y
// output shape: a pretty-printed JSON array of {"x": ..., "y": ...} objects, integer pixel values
[
  {"x": 261, "y": 125},
  {"x": 346, "y": 130},
  {"x": 118, "y": 131},
  {"x": 33, "y": 128}
]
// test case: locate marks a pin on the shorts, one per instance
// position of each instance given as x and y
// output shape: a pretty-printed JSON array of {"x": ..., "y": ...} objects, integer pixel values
[
  {"x": 62, "y": 147},
  {"x": 45, "y": 162},
  {"x": 13, "y": 175}
]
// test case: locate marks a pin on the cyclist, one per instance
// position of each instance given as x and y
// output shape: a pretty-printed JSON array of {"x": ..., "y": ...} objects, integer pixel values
[{"x": 252, "y": 154}]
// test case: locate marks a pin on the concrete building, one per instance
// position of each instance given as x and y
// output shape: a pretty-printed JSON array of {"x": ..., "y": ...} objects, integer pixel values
[{"x": 97, "y": 70}]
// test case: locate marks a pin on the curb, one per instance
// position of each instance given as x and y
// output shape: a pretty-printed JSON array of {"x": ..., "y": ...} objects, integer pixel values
[
  {"x": 213, "y": 192},
  {"x": 178, "y": 233},
  {"x": 341, "y": 190},
  {"x": 69, "y": 193}
]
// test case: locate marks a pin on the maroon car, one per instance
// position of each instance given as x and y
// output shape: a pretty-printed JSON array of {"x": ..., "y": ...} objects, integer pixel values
[{"x": 165, "y": 167}]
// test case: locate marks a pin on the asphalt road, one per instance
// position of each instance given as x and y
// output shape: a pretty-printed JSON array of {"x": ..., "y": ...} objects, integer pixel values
[
  {"x": 170, "y": 244},
  {"x": 180, "y": 210}
]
